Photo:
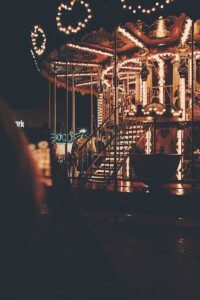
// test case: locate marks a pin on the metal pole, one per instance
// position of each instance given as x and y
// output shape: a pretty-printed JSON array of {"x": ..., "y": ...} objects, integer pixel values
[
  {"x": 67, "y": 113},
  {"x": 192, "y": 123},
  {"x": 73, "y": 106},
  {"x": 154, "y": 135},
  {"x": 92, "y": 106},
  {"x": 128, "y": 82},
  {"x": 49, "y": 108},
  {"x": 115, "y": 114},
  {"x": 55, "y": 108}
]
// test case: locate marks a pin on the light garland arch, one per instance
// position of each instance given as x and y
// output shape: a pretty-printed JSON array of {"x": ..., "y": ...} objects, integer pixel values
[
  {"x": 81, "y": 24},
  {"x": 39, "y": 50},
  {"x": 161, "y": 4}
]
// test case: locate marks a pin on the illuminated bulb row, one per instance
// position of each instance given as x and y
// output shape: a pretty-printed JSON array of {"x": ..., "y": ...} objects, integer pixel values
[
  {"x": 34, "y": 37},
  {"x": 141, "y": 89},
  {"x": 124, "y": 73},
  {"x": 144, "y": 93},
  {"x": 176, "y": 113},
  {"x": 35, "y": 61},
  {"x": 132, "y": 60},
  {"x": 61, "y": 63},
  {"x": 126, "y": 77},
  {"x": 186, "y": 32},
  {"x": 161, "y": 73},
  {"x": 130, "y": 68},
  {"x": 90, "y": 50},
  {"x": 86, "y": 83},
  {"x": 120, "y": 66},
  {"x": 154, "y": 110},
  {"x": 99, "y": 112},
  {"x": 180, "y": 148},
  {"x": 130, "y": 37},
  {"x": 77, "y": 75},
  {"x": 81, "y": 24},
  {"x": 148, "y": 142},
  {"x": 190, "y": 72},
  {"x": 144, "y": 10},
  {"x": 182, "y": 96}
]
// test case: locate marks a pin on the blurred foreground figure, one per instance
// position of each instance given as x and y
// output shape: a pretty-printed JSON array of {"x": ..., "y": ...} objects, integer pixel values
[{"x": 19, "y": 201}]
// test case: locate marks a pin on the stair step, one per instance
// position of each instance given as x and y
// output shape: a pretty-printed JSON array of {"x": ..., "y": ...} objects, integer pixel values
[
  {"x": 118, "y": 152},
  {"x": 119, "y": 147},
  {"x": 111, "y": 158},
  {"x": 103, "y": 167},
  {"x": 123, "y": 145},
  {"x": 129, "y": 135},
  {"x": 125, "y": 140},
  {"x": 99, "y": 172},
  {"x": 112, "y": 149},
  {"x": 133, "y": 129},
  {"x": 94, "y": 178},
  {"x": 98, "y": 176}
]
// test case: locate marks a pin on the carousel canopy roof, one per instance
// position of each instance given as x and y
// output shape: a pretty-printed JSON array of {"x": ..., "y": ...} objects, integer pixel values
[{"x": 91, "y": 58}]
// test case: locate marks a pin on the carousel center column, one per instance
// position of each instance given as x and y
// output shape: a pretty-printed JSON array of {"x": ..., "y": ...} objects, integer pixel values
[
  {"x": 150, "y": 81},
  {"x": 137, "y": 89},
  {"x": 176, "y": 78},
  {"x": 183, "y": 69},
  {"x": 190, "y": 71},
  {"x": 144, "y": 75},
  {"x": 145, "y": 72}
]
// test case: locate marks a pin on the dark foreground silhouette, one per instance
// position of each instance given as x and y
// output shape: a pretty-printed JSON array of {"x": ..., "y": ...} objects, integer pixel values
[
  {"x": 49, "y": 257},
  {"x": 20, "y": 195},
  {"x": 66, "y": 261}
]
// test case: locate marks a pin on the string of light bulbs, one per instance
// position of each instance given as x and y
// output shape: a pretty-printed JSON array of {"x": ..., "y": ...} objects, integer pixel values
[
  {"x": 37, "y": 30},
  {"x": 81, "y": 24},
  {"x": 90, "y": 50},
  {"x": 35, "y": 61},
  {"x": 145, "y": 10}
]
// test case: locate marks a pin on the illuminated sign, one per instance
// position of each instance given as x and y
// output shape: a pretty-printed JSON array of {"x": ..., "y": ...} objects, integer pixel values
[
  {"x": 62, "y": 137},
  {"x": 20, "y": 124}
]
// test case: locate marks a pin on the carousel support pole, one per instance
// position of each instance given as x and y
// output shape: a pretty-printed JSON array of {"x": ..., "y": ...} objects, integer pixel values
[
  {"x": 115, "y": 113},
  {"x": 73, "y": 106},
  {"x": 154, "y": 135},
  {"x": 49, "y": 108},
  {"x": 193, "y": 90},
  {"x": 53, "y": 148},
  {"x": 92, "y": 106},
  {"x": 137, "y": 89},
  {"x": 128, "y": 84},
  {"x": 55, "y": 109},
  {"x": 67, "y": 115}
]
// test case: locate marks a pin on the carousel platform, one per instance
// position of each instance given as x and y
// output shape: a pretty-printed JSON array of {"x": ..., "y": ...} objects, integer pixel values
[{"x": 175, "y": 202}]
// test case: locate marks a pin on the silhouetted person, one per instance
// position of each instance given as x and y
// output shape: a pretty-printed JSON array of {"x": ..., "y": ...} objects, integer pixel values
[
  {"x": 20, "y": 195},
  {"x": 73, "y": 265}
]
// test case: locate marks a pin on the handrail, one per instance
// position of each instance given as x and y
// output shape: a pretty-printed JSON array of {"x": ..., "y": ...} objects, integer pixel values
[
  {"x": 107, "y": 145},
  {"x": 104, "y": 122},
  {"x": 141, "y": 138}
]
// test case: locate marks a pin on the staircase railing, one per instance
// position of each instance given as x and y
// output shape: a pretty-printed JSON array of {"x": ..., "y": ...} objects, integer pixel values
[
  {"x": 138, "y": 141},
  {"x": 85, "y": 156},
  {"x": 134, "y": 136},
  {"x": 106, "y": 149},
  {"x": 138, "y": 137}
]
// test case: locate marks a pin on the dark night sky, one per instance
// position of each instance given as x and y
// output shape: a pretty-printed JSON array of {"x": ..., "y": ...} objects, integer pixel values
[{"x": 21, "y": 85}]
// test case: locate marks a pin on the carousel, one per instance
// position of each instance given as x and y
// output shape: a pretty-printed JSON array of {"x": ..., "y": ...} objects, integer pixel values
[{"x": 144, "y": 81}]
